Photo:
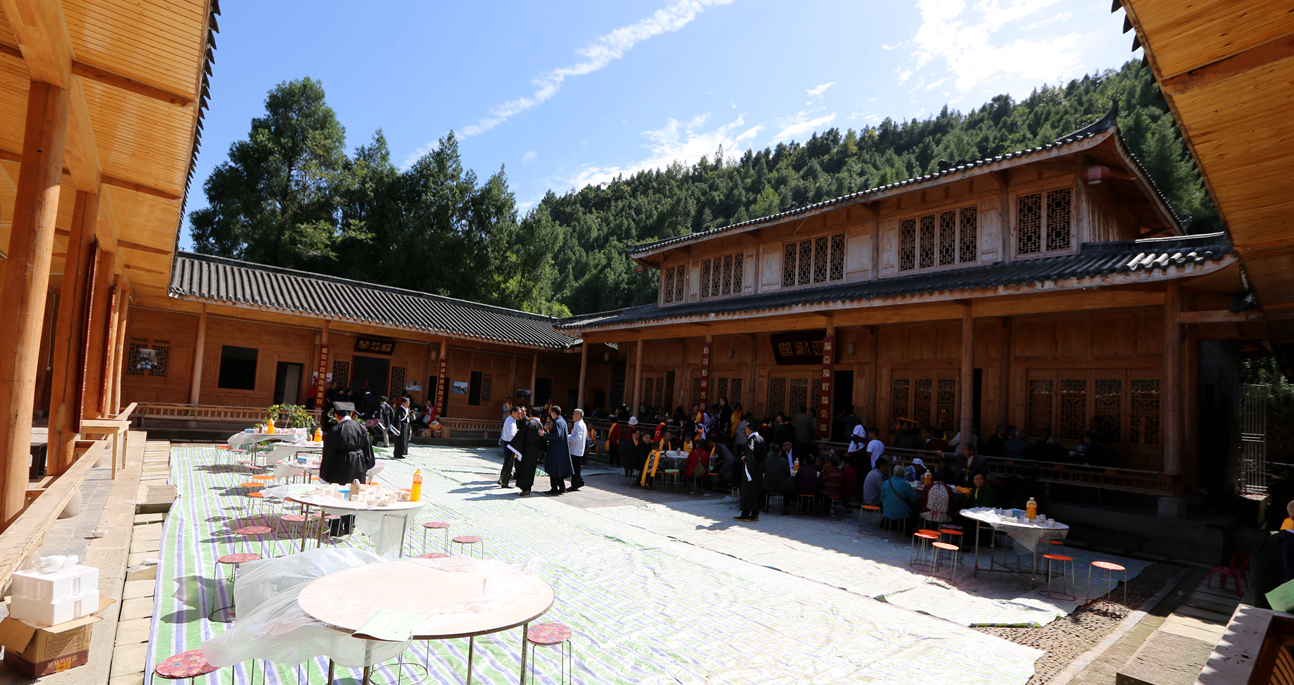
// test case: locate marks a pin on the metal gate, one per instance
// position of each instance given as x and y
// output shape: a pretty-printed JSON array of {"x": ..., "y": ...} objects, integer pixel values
[{"x": 1253, "y": 440}]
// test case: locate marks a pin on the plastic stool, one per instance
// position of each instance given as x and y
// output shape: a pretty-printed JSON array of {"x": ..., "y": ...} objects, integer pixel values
[
  {"x": 184, "y": 666},
  {"x": 257, "y": 532},
  {"x": 919, "y": 549},
  {"x": 831, "y": 505},
  {"x": 955, "y": 535},
  {"x": 799, "y": 505},
  {"x": 870, "y": 514},
  {"x": 1109, "y": 568},
  {"x": 1051, "y": 591},
  {"x": 937, "y": 550},
  {"x": 432, "y": 555},
  {"x": 466, "y": 542},
  {"x": 435, "y": 525},
  {"x": 552, "y": 634}
]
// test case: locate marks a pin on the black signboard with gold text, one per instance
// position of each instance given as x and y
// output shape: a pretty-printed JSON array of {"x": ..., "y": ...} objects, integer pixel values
[
  {"x": 374, "y": 346},
  {"x": 800, "y": 347}
]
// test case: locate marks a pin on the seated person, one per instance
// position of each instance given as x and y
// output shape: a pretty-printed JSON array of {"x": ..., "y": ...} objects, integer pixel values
[
  {"x": 777, "y": 477},
  {"x": 908, "y": 440},
  {"x": 937, "y": 503},
  {"x": 830, "y": 481},
  {"x": 1095, "y": 452},
  {"x": 943, "y": 472},
  {"x": 722, "y": 463},
  {"x": 1017, "y": 447},
  {"x": 848, "y": 481},
  {"x": 898, "y": 500},
  {"x": 915, "y": 471},
  {"x": 806, "y": 479},
  {"x": 698, "y": 463},
  {"x": 982, "y": 494},
  {"x": 874, "y": 481}
]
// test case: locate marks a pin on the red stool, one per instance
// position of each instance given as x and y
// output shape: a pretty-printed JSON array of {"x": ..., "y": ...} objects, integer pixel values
[
  {"x": 955, "y": 536},
  {"x": 435, "y": 525},
  {"x": 257, "y": 532},
  {"x": 432, "y": 555},
  {"x": 919, "y": 549},
  {"x": 466, "y": 542},
  {"x": 1109, "y": 568},
  {"x": 937, "y": 551},
  {"x": 552, "y": 634},
  {"x": 870, "y": 514},
  {"x": 1050, "y": 590},
  {"x": 184, "y": 666}
]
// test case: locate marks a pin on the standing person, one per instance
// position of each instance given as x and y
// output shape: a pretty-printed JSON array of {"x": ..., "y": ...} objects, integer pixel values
[
  {"x": 507, "y": 408},
  {"x": 749, "y": 473},
  {"x": 628, "y": 446},
  {"x": 577, "y": 442},
  {"x": 347, "y": 457},
  {"x": 803, "y": 430},
  {"x": 778, "y": 479},
  {"x": 557, "y": 461},
  {"x": 875, "y": 448},
  {"x": 532, "y": 446},
  {"x": 366, "y": 403},
  {"x": 510, "y": 451},
  {"x": 403, "y": 425},
  {"x": 385, "y": 415}
]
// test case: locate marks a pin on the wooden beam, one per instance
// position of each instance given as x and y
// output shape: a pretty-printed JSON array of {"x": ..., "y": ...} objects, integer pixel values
[
  {"x": 82, "y": 156},
  {"x": 26, "y": 281},
  {"x": 1239, "y": 63},
  {"x": 11, "y": 156},
  {"x": 1172, "y": 385},
  {"x": 141, "y": 248},
  {"x": 42, "y": 37},
  {"x": 133, "y": 267},
  {"x": 101, "y": 75},
  {"x": 1219, "y": 316}
]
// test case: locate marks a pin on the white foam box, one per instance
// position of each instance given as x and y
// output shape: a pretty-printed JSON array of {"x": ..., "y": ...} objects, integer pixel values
[
  {"x": 72, "y": 581},
  {"x": 41, "y": 614}
]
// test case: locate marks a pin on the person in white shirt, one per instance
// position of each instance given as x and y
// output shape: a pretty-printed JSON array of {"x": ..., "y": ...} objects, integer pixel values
[
  {"x": 576, "y": 440},
  {"x": 509, "y": 432},
  {"x": 875, "y": 447},
  {"x": 790, "y": 460}
]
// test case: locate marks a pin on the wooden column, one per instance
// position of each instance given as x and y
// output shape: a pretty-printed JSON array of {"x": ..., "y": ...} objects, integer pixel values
[
  {"x": 25, "y": 283},
  {"x": 1172, "y": 388},
  {"x": 534, "y": 377},
  {"x": 95, "y": 359},
  {"x": 638, "y": 378},
  {"x": 121, "y": 347},
  {"x": 749, "y": 404},
  {"x": 584, "y": 367},
  {"x": 684, "y": 382},
  {"x": 65, "y": 372},
  {"x": 199, "y": 351},
  {"x": 873, "y": 377},
  {"x": 1004, "y": 374},
  {"x": 968, "y": 374},
  {"x": 110, "y": 353}
]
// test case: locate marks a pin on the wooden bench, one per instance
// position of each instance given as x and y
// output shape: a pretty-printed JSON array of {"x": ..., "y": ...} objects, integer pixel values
[{"x": 118, "y": 428}]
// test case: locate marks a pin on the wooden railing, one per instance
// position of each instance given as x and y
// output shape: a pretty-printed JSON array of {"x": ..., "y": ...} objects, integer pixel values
[
  {"x": 24, "y": 536},
  {"x": 486, "y": 427},
  {"x": 1253, "y": 651},
  {"x": 205, "y": 413}
]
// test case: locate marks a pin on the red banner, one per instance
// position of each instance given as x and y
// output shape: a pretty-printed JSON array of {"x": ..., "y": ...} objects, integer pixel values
[
  {"x": 321, "y": 383},
  {"x": 705, "y": 375},
  {"x": 824, "y": 401},
  {"x": 442, "y": 393}
]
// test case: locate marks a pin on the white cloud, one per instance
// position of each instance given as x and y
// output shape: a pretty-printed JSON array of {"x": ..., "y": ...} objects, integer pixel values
[
  {"x": 750, "y": 132},
  {"x": 598, "y": 54},
  {"x": 962, "y": 34},
  {"x": 891, "y": 47},
  {"x": 904, "y": 74},
  {"x": 800, "y": 124},
  {"x": 673, "y": 142},
  {"x": 820, "y": 89},
  {"x": 529, "y": 156}
]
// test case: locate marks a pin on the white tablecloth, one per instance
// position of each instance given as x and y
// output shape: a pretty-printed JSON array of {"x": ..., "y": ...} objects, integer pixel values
[
  {"x": 1026, "y": 535},
  {"x": 287, "y": 450},
  {"x": 286, "y": 435},
  {"x": 386, "y": 526}
]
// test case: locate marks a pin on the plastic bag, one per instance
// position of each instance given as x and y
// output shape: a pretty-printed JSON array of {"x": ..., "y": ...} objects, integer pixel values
[
  {"x": 262, "y": 580},
  {"x": 54, "y": 563}
]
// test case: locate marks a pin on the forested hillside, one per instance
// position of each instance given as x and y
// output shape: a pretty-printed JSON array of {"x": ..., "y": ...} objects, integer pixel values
[{"x": 290, "y": 195}]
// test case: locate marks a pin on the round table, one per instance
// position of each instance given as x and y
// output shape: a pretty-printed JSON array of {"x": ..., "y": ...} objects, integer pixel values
[
  {"x": 1028, "y": 534},
  {"x": 245, "y": 438},
  {"x": 387, "y": 545},
  {"x": 442, "y": 589},
  {"x": 285, "y": 450}
]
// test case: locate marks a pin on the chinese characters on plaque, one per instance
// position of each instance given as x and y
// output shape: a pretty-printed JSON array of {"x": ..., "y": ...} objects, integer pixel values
[
  {"x": 374, "y": 346},
  {"x": 802, "y": 347}
]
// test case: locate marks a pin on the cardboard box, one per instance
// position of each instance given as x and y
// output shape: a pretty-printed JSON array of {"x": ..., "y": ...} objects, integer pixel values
[{"x": 37, "y": 652}]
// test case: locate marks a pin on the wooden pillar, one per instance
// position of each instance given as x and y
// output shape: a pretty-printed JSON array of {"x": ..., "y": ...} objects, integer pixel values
[
  {"x": 95, "y": 351},
  {"x": 110, "y": 352},
  {"x": 967, "y": 383},
  {"x": 1004, "y": 373},
  {"x": 534, "y": 377},
  {"x": 638, "y": 378},
  {"x": 584, "y": 367},
  {"x": 199, "y": 351},
  {"x": 25, "y": 284},
  {"x": 873, "y": 376},
  {"x": 65, "y": 374},
  {"x": 751, "y": 396},
  {"x": 1172, "y": 388},
  {"x": 121, "y": 348},
  {"x": 47, "y": 332},
  {"x": 684, "y": 382}
]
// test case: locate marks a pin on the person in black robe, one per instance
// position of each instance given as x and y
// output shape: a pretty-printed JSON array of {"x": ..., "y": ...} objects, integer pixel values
[
  {"x": 347, "y": 457},
  {"x": 557, "y": 461},
  {"x": 515, "y": 446},
  {"x": 749, "y": 475},
  {"x": 385, "y": 417},
  {"x": 533, "y": 445},
  {"x": 403, "y": 425}
]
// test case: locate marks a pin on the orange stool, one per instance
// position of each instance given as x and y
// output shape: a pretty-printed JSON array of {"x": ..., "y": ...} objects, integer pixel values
[
  {"x": 919, "y": 549},
  {"x": 954, "y": 536},
  {"x": 800, "y": 504},
  {"x": 466, "y": 542},
  {"x": 435, "y": 525},
  {"x": 870, "y": 516},
  {"x": 1109, "y": 568},
  {"x": 1050, "y": 590},
  {"x": 937, "y": 552}
]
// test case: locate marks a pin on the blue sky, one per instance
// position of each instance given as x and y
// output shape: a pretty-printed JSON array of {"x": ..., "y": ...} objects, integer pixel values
[{"x": 570, "y": 93}]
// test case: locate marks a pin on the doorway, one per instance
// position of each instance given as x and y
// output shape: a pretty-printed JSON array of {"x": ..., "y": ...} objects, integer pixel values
[
  {"x": 371, "y": 369},
  {"x": 287, "y": 383},
  {"x": 842, "y": 397},
  {"x": 543, "y": 392}
]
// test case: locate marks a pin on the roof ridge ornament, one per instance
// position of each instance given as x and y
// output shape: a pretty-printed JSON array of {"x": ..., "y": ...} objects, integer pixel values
[{"x": 1101, "y": 125}]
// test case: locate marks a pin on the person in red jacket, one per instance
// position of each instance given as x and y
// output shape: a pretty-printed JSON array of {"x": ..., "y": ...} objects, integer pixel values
[
  {"x": 698, "y": 463},
  {"x": 849, "y": 481},
  {"x": 830, "y": 482}
]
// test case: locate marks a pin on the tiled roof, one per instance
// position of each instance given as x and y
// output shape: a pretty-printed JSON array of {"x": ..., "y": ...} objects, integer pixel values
[
  {"x": 1092, "y": 130},
  {"x": 231, "y": 281},
  {"x": 1093, "y": 260}
]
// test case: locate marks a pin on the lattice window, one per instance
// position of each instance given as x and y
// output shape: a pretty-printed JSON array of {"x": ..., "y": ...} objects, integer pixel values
[
  {"x": 908, "y": 245},
  {"x": 776, "y": 396},
  {"x": 667, "y": 285},
  {"x": 947, "y": 238},
  {"x": 734, "y": 391},
  {"x": 788, "y": 265},
  {"x": 132, "y": 366},
  {"x": 726, "y": 281},
  {"x": 900, "y": 397},
  {"x": 1073, "y": 407},
  {"x": 1040, "y": 403},
  {"x": 1029, "y": 224},
  {"x": 926, "y": 245},
  {"x": 738, "y": 273},
  {"x": 680, "y": 284},
  {"x": 820, "y": 250},
  {"x": 661, "y": 396},
  {"x": 804, "y": 270},
  {"x": 922, "y": 389},
  {"x": 487, "y": 386},
  {"x": 798, "y": 395},
  {"x": 705, "y": 279},
  {"x": 723, "y": 276},
  {"x": 815, "y": 399},
  {"x": 341, "y": 373},
  {"x": 838, "y": 257},
  {"x": 669, "y": 389},
  {"x": 649, "y": 385},
  {"x": 1059, "y": 213},
  {"x": 696, "y": 391},
  {"x": 716, "y": 278},
  {"x": 1144, "y": 428},
  {"x": 1045, "y": 228},
  {"x": 721, "y": 390},
  {"x": 969, "y": 235},
  {"x": 946, "y": 404},
  {"x": 1109, "y": 407},
  {"x": 397, "y": 384}
]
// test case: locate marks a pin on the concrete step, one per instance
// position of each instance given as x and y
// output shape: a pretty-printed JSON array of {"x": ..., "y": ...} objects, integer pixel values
[{"x": 1165, "y": 659}]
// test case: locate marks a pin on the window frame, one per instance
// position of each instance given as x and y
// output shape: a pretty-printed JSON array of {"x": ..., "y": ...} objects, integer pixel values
[
  {"x": 736, "y": 285},
  {"x": 680, "y": 271},
  {"x": 1043, "y": 190},
  {"x": 836, "y": 241},
  {"x": 916, "y": 216},
  {"x": 220, "y": 370}
]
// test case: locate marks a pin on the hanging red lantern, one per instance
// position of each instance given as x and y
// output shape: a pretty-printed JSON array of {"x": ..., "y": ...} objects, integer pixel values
[{"x": 1096, "y": 174}]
